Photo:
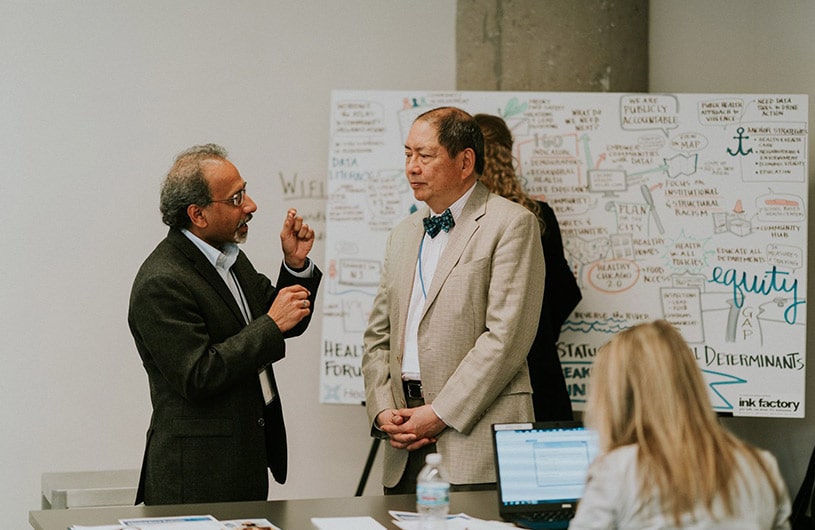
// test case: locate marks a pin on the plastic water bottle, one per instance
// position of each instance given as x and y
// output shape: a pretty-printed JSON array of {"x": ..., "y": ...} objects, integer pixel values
[{"x": 432, "y": 494}]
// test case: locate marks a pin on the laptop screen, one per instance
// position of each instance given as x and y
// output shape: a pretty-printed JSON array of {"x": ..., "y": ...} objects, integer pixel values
[{"x": 542, "y": 463}]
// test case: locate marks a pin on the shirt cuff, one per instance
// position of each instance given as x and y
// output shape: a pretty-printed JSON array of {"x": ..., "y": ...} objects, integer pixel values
[
  {"x": 439, "y": 415},
  {"x": 306, "y": 272}
]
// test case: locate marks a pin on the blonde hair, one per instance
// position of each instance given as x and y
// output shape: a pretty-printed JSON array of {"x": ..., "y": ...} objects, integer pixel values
[
  {"x": 646, "y": 389},
  {"x": 499, "y": 171}
]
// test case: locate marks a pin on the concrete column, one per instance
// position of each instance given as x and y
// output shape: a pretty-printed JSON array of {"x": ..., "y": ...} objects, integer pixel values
[{"x": 552, "y": 45}]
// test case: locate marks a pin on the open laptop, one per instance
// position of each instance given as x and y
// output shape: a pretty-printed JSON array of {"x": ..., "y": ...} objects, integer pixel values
[{"x": 541, "y": 471}]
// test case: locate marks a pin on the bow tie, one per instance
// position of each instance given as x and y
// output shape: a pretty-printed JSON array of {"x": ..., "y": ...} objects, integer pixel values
[{"x": 445, "y": 222}]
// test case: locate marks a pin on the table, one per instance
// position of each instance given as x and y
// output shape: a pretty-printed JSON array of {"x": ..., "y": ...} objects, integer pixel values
[{"x": 292, "y": 514}]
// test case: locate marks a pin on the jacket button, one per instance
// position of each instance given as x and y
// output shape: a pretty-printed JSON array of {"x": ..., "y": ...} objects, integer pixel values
[{"x": 261, "y": 422}]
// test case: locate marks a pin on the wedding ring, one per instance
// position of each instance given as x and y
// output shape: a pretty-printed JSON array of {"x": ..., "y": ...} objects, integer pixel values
[{"x": 305, "y": 304}]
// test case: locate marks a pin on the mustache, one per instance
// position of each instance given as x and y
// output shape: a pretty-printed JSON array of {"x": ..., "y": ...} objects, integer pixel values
[{"x": 245, "y": 221}]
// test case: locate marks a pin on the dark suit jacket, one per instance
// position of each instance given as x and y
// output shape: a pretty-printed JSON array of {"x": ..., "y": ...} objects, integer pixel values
[
  {"x": 561, "y": 295},
  {"x": 211, "y": 436}
]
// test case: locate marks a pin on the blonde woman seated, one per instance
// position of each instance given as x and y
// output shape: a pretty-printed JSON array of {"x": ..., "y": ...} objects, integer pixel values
[{"x": 666, "y": 462}]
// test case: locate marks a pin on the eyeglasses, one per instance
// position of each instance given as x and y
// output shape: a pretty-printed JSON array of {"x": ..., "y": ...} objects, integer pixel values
[{"x": 237, "y": 199}]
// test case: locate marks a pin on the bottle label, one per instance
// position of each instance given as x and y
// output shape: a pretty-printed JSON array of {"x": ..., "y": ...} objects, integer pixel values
[{"x": 433, "y": 494}]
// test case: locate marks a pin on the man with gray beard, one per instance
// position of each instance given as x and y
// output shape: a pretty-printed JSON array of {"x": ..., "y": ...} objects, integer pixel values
[{"x": 208, "y": 327}]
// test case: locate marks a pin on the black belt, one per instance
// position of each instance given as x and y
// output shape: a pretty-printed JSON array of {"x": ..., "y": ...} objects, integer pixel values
[{"x": 413, "y": 389}]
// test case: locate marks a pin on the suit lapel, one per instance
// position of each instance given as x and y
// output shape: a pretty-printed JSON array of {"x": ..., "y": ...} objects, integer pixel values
[
  {"x": 460, "y": 237},
  {"x": 206, "y": 270}
]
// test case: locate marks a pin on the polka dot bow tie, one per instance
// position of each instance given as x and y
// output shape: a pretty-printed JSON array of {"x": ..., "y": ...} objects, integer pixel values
[{"x": 445, "y": 222}]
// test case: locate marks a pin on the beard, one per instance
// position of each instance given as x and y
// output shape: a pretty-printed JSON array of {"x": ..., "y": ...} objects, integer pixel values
[{"x": 243, "y": 230}]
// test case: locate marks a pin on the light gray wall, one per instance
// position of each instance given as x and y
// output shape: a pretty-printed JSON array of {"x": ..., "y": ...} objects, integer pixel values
[
  {"x": 96, "y": 98},
  {"x": 552, "y": 45},
  {"x": 745, "y": 46}
]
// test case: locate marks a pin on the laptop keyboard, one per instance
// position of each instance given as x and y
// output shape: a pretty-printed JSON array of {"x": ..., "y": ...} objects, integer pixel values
[{"x": 564, "y": 514}]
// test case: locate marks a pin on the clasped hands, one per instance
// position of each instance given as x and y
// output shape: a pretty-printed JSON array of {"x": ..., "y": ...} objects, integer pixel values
[
  {"x": 410, "y": 429},
  {"x": 291, "y": 305}
]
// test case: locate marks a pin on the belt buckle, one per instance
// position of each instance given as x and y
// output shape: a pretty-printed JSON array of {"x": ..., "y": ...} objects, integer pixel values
[{"x": 413, "y": 389}]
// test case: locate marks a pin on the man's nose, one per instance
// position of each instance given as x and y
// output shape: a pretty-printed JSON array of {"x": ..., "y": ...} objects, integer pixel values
[
  {"x": 411, "y": 165},
  {"x": 249, "y": 206}
]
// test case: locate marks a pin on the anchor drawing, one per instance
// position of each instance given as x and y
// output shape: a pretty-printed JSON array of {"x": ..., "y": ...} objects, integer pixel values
[{"x": 740, "y": 137}]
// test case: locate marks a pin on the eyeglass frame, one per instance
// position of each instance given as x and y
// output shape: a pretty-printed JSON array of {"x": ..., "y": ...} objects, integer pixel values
[{"x": 237, "y": 199}]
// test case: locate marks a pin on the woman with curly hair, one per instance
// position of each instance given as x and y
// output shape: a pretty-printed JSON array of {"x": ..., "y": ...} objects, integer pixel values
[{"x": 550, "y": 397}]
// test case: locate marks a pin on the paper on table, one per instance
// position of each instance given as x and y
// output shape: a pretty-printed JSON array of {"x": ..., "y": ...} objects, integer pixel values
[
  {"x": 185, "y": 522},
  {"x": 98, "y": 527},
  {"x": 193, "y": 522},
  {"x": 249, "y": 524},
  {"x": 346, "y": 523},
  {"x": 410, "y": 516},
  {"x": 459, "y": 523},
  {"x": 160, "y": 523}
]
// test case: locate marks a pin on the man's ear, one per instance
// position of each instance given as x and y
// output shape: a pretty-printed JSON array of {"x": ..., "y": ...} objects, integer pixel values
[
  {"x": 467, "y": 162},
  {"x": 197, "y": 216}
]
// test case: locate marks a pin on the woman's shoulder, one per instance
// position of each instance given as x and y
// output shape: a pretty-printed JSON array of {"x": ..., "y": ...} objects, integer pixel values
[
  {"x": 623, "y": 452},
  {"x": 767, "y": 460},
  {"x": 619, "y": 460}
]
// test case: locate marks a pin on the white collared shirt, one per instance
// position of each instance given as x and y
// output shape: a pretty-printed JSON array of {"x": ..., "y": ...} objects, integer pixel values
[
  {"x": 223, "y": 261},
  {"x": 430, "y": 251}
]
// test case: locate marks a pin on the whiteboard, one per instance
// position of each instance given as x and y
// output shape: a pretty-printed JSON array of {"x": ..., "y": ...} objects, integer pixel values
[{"x": 687, "y": 207}]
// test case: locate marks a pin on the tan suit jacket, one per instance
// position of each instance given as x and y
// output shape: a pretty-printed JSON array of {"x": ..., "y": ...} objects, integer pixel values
[{"x": 478, "y": 323}]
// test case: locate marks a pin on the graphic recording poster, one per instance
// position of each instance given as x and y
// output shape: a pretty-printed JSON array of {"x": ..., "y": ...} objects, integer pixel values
[{"x": 687, "y": 207}]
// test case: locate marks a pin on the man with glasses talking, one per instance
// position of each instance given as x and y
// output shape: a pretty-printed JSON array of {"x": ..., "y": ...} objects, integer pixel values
[{"x": 208, "y": 327}]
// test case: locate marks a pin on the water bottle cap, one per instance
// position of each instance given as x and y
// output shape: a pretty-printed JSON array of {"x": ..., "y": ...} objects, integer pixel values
[{"x": 433, "y": 459}]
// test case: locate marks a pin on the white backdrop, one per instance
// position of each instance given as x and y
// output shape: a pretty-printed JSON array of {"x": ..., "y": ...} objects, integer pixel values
[{"x": 688, "y": 207}]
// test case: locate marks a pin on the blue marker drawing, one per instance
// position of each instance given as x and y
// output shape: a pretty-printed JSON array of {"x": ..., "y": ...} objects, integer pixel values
[{"x": 729, "y": 380}]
